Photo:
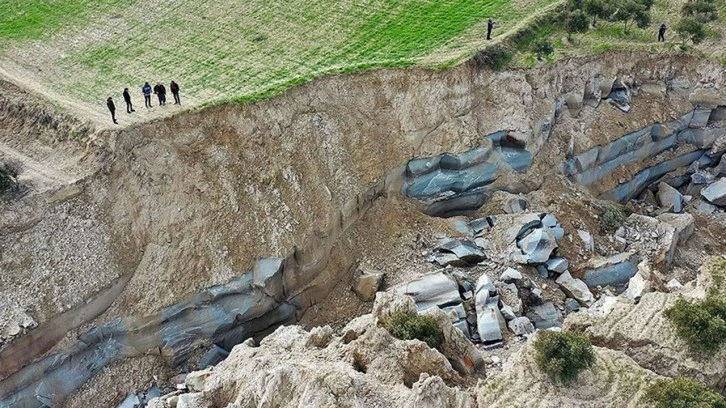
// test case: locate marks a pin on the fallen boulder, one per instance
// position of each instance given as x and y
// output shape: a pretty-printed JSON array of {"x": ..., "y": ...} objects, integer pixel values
[
  {"x": 670, "y": 198},
  {"x": 521, "y": 326},
  {"x": 716, "y": 193},
  {"x": 366, "y": 283},
  {"x": 537, "y": 246},
  {"x": 613, "y": 270},
  {"x": 575, "y": 288},
  {"x": 436, "y": 289},
  {"x": 545, "y": 316}
]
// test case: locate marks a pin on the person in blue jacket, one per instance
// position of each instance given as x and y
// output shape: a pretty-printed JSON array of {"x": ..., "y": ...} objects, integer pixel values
[{"x": 147, "y": 94}]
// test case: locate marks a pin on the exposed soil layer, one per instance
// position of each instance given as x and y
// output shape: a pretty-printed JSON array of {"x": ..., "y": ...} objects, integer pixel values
[{"x": 191, "y": 201}]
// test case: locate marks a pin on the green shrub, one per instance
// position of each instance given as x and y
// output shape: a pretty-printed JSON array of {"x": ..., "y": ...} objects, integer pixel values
[
  {"x": 8, "y": 179},
  {"x": 542, "y": 47},
  {"x": 563, "y": 355},
  {"x": 701, "y": 324},
  {"x": 495, "y": 57},
  {"x": 683, "y": 393},
  {"x": 612, "y": 218},
  {"x": 411, "y": 325}
]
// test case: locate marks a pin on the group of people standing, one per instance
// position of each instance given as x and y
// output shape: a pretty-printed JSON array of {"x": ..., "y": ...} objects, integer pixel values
[{"x": 159, "y": 90}]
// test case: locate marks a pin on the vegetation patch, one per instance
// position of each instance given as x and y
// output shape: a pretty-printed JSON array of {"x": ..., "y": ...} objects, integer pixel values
[
  {"x": 8, "y": 179},
  {"x": 411, "y": 325},
  {"x": 563, "y": 355},
  {"x": 702, "y": 324},
  {"x": 612, "y": 218},
  {"x": 683, "y": 393}
]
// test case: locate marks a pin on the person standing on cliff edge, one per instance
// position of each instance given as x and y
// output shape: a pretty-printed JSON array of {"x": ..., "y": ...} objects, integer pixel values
[
  {"x": 174, "y": 87},
  {"x": 147, "y": 94},
  {"x": 127, "y": 99},
  {"x": 112, "y": 108},
  {"x": 490, "y": 27},
  {"x": 661, "y": 33}
]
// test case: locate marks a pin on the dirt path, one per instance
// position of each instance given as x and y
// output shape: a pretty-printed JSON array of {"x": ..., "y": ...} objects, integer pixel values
[{"x": 32, "y": 172}]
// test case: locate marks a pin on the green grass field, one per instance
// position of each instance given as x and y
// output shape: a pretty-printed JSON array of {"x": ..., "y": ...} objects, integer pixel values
[
  {"x": 609, "y": 36},
  {"x": 237, "y": 50}
]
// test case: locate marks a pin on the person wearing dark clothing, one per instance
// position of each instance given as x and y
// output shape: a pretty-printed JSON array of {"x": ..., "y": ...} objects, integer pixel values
[
  {"x": 160, "y": 92},
  {"x": 147, "y": 94},
  {"x": 112, "y": 108},
  {"x": 661, "y": 33},
  {"x": 127, "y": 99},
  {"x": 174, "y": 87},
  {"x": 490, "y": 27}
]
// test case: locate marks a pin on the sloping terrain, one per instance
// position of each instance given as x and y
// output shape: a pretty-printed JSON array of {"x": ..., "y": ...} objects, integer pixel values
[
  {"x": 191, "y": 201},
  {"x": 229, "y": 50}
]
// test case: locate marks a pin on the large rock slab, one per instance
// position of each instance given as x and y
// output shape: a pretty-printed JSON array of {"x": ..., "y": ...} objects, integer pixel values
[
  {"x": 366, "y": 283},
  {"x": 716, "y": 193},
  {"x": 538, "y": 246},
  {"x": 670, "y": 198},
  {"x": 545, "y": 316},
  {"x": 575, "y": 288},
  {"x": 614, "y": 270},
  {"x": 437, "y": 289},
  {"x": 458, "y": 252}
]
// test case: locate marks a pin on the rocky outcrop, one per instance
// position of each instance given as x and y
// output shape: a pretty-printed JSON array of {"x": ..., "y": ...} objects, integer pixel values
[
  {"x": 615, "y": 381},
  {"x": 643, "y": 333},
  {"x": 363, "y": 366}
]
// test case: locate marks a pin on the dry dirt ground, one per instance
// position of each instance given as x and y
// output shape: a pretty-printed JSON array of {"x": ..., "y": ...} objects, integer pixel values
[{"x": 193, "y": 200}]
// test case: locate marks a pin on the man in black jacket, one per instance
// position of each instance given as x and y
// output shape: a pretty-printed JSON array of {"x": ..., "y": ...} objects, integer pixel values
[
  {"x": 490, "y": 27},
  {"x": 160, "y": 92},
  {"x": 127, "y": 99},
  {"x": 174, "y": 87},
  {"x": 112, "y": 108}
]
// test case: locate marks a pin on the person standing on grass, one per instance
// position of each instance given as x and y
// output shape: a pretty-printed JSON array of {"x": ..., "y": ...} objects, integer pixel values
[
  {"x": 490, "y": 27},
  {"x": 661, "y": 33},
  {"x": 112, "y": 108},
  {"x": 160, "y": 92},
  {"x": 174, "y": 87},
  {"x": 127, "y": 99},
  {"x": 147, "y": 94}
]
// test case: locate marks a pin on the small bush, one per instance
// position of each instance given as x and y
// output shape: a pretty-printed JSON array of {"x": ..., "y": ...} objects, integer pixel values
[
  {"x": 701, "y": 324},
  {"x": 563, "y": 355},
  {"x": 411, "y": 325},
  {"x": 683, "y": 393},
  {"x": 542, "y": 47},
  {"x": 495, "y": 57},
  {"x": 612, "y": 218},
  {"x": 8, "y": 179}
]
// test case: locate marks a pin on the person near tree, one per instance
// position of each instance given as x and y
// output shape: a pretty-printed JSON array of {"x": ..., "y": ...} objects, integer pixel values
[{"x": 661, "y": 33}]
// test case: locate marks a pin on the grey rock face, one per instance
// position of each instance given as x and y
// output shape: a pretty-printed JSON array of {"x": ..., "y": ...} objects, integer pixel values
[
  {"x": 670, "y": 198},
  {"x": 515, "y": 205},
  {"x": 521, "y": 326},
  {"x": 464, "y": 253},
  {"x": 575, "y": 288},
  {"x": 559, "y": 265},
  {"x": 511, "y": 276},
  {"x": 716, "y": 193},
  {"x": 436, "y": 289},
  {"x": 366, "y": 283},
  {"x": 615, "y": 270},
  {"x": 538, "y": 245},
  {"x": 545, "y": 316},
  {"x": 572, "y": 305}
]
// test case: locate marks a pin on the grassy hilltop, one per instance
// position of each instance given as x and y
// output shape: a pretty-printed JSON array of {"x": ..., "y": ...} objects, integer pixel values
[
  {"x": 234, "y": 49},
  {"x": 78, "y": 52}
]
